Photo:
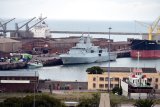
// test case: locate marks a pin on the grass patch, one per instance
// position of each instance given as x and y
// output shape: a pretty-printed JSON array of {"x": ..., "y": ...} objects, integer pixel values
[{"x": 74, "y": 96}]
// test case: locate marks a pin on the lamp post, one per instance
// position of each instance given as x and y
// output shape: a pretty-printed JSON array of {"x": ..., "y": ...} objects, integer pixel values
[
  {"x": 109, "y": 61},
  {"x": 34, "y": 102}
]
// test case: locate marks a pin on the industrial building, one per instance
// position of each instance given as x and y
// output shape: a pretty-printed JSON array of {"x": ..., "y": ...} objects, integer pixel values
[
  {"x": 62, "y": 85},
  {"x": 100, "y": 81},
  {"x": 18, "y": 81},
  {"x": 9, "y": 45},
  {"x": 62, "y": 45}
]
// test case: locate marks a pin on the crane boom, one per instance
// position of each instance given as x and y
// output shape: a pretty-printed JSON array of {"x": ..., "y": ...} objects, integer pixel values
[
  {"x": 152, "y": 28},
  {"x": 37, "y": 23},
  {"x": 4, "y": 24},
  {"x": 26, "y": 23},
  {"x": 142, "y": 23},
  {"x": 8, "y": 21},
  {"x": 155, "y": 24},
  {"x": 1, "y": 24}
]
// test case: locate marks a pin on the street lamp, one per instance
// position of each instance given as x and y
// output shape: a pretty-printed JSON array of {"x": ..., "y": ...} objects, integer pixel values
[{"x": 109, "y": 61}]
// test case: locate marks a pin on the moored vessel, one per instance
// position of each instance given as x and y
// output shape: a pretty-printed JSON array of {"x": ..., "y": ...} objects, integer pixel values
[
  {"x": 41, "y": 30},
  {"x": 146, "y": 49},
  {"x": 86, "y": 52},
  {"x": 36, "y": 64}
]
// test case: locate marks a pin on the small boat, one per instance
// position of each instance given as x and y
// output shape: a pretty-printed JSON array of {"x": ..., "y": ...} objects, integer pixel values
[{"x": 36, "y": 64}]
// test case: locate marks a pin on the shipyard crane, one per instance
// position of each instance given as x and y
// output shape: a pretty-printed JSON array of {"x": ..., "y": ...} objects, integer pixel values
[
  {"x": 4, "y": 26},
  {"x": 40, "y": 20},
  {"x": 151, "y": 27},
  {"x": 25, "y": 24},
  {"x": 142, "y": 24}
]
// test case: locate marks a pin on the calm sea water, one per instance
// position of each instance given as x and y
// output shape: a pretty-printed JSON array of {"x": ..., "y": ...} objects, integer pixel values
[{"x": 78, "y": 72}]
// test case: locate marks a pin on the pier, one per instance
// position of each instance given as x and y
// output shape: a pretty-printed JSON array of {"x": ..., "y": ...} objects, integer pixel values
[{"x": 101, "y": 33}]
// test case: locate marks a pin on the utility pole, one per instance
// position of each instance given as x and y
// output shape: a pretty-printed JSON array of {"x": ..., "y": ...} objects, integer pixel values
[
  {"x": 34, "y": 99},
  {"x": 109, "y": 61}
]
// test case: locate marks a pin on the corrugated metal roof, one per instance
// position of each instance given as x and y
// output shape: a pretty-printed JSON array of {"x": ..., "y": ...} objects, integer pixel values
[
  {"x": 7, "y": 40},
  {"x": 19, "y": 73}
]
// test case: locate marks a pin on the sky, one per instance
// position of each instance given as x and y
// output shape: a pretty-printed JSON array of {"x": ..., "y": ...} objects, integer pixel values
[{"x": 146, "y": 10}]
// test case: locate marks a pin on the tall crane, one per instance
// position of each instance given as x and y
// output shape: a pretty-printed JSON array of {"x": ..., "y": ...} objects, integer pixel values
[
  {"x": 25, "y": 24},
  {"x": 153, "y": 27},
  {"x": 4, "y": 26},
  {"x": 40, "y": 20},
  {"x": 142, "y": 24},
  {"x": 26, "y": 33}
]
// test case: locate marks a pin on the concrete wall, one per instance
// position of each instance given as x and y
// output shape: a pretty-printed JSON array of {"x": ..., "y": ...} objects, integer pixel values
[
  {"x": 62, "y": 85},
  {"x": 124, "y": 88},
  {"x": 138, "y": 95}
]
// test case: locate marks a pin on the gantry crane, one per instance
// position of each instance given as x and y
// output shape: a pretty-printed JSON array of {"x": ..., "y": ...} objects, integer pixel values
[{"x": 4, "y": 26}]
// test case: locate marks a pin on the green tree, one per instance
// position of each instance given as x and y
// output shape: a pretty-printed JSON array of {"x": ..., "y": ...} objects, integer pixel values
[
  {"x": 40, "y": 101},
  {"x": 94, "y": 70},
  {"x": 117, "y": 90},
  {"x": 144, "y": 103}
]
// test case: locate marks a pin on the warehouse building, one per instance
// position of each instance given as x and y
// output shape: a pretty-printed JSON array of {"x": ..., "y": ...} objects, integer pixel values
[
  {"x": 18, "y": 81},
  {"x": 8, "y": 45}
]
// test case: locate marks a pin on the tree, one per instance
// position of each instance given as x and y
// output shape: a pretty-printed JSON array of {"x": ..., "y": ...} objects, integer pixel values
[
  {"x": 117, "y": 90},
  {"x": 40, "y": 101},
  {"x": 94, "y": 70},
  {"x": 144, "y": 103}
]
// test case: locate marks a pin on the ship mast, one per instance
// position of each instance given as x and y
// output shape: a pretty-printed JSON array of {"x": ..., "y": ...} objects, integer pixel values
[{"x": 138, "y": 60}]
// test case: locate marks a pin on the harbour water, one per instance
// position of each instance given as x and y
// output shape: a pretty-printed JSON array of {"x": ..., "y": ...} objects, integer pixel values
[{"x": 78, "y": 72}]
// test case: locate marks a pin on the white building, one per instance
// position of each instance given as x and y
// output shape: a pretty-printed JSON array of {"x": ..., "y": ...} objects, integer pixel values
[{"x": 137, "y": 86}]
